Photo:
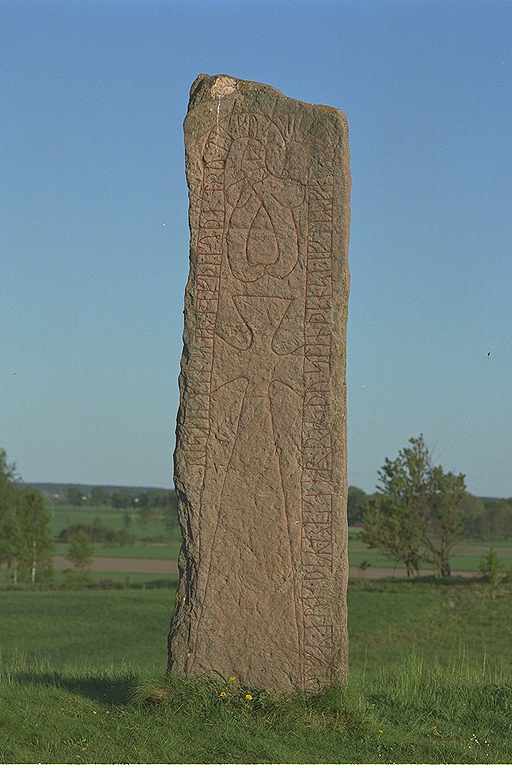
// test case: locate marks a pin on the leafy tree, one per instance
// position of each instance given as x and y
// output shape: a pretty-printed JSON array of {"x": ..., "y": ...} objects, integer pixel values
[
  {"x": 33, "y": 544},
  {"x": 389, "y": 527},
  {"x": 74, "y": 495},
  {"x": 7, "y": 471},
  {"x": 395, "y": 518},
  {"x": 80, "y": 551},
  {"x": 445, "y": 523},
  {"x": 99, "y": 496},
  {"x": 473, "y": 513},
  {"x": 357, "y": 505},
  {"x": 506, "y": 517},
  {"x": 7, "y": 510},
  {"x": 418, "y": 512},
  {"x": 25, "y": 541},
  {"x": 120, "y": 500},
  {"x": 493, "y": 571},
  {"x": 498, "y": 518}
]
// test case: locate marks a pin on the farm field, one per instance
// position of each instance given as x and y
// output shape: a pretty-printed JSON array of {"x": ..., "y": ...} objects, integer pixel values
[
  {"x": 162, "y": 551},
  {"x": 430, "y": 681},
  {"x": 64, "y": 515},
  {"x": 164, "y": 548},
  {"x": 466, "y": 555},
  {"x": 120, "y": 565},
  {"x": 158, "y": 557}
]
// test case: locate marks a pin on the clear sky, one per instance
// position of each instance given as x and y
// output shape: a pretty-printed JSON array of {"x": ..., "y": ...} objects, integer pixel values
[{"x": 94, "y": 234}]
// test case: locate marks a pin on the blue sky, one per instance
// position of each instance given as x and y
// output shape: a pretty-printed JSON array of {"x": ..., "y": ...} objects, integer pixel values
[{"x": 94, "y": 235}]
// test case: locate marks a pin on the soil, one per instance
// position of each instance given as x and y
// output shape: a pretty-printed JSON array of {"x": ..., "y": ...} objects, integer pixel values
[{"x": 141, "y": 565}]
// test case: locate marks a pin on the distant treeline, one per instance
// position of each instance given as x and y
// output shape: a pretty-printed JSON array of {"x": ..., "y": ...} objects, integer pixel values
[
  {"x": 484, "y": 517},
  {"x": 109, "y": 496}
]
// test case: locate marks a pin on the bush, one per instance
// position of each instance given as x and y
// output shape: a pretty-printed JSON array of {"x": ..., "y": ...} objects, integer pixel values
[{"x": 98, "y": 534}]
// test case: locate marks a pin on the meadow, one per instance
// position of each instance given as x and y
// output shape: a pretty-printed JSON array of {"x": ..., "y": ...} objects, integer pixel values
[
  {"x": 82, "y": 672},
  {"x": 81, "y": 680}
]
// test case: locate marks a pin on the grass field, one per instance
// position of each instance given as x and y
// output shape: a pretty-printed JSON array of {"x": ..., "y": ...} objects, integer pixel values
[
  {"x": 466, "y": 555},
  {"x": 430, "y": 681},
  {"x": 168, "y": 551},
  {"x": 64, "y": 515}
]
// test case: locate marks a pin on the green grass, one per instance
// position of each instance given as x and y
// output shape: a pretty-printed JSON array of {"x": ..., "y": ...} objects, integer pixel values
[
  {"x": 168, "y": 551},
  {"x": 466, "y": 555},
  {"x": 430, "y": 681},
  {"x": 86, "y": 628},
  {"x": 127, "y": 579},
  {"x": 64, "y": 515}
]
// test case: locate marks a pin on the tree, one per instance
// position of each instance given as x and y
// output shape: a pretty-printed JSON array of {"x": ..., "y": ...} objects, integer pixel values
[
  {"x": 25, "y": 541},
  {"x": 497, "y": 518},
  {"x": 99, "y": 496},
  {"x": 493, "y": 571},
  {"x": 395, "y": 518},
  {"x": 445, "y": 523},
  {"x": 74, "y": 495},
  {"x": 7, "y": 510},
  {"x": 120, "y": 500},
  {"x": 473, "y": 513},
  {"x": 81, "y": 551},
  {"x": 7, "y": 471},
  {"x": 33, "y": 544},
  {"x": 357, "y": 504},
  {"x": 418, "y": 512}
]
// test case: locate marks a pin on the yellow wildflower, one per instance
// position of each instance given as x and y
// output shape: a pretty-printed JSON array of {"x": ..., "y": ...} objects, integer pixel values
[
  {"x": 248, "y": 696},
  {"x": 222, "y": 695}
]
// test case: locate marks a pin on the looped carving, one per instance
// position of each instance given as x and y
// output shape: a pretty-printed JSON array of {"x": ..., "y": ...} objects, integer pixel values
[{"x": 262, "y": 193}]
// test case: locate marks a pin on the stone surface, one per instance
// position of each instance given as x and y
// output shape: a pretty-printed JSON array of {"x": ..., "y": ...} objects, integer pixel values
[{"x": 260, "y": 460}]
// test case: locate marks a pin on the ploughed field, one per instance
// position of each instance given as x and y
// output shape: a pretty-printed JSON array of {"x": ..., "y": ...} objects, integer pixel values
[{"x": 81, "y": 681}]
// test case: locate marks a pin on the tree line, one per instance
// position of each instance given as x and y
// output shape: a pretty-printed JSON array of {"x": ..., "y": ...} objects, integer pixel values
[{"x": 99, "y": 496}]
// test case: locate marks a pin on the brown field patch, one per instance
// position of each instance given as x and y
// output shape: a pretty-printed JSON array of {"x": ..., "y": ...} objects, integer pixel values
[{"x": 149, "y": 565}]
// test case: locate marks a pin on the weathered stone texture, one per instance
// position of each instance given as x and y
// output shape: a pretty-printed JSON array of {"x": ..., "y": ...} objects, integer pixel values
[{"x": 260, "y": 460}]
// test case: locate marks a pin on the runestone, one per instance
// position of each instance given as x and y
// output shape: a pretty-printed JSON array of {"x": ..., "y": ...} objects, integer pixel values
[{"x": 260, "y": 460}]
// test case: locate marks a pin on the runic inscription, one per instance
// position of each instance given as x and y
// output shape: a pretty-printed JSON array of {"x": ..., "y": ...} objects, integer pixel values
[{"x": 260, "y": 460}]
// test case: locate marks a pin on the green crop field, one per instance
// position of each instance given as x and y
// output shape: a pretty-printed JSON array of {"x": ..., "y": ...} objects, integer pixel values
[
  {"x": 163, "y": 551},
  {"x": 466, "y": 555},
  {"x": 165, "y": 544},
  {"x": 81, "y": 680},
  {"x": 64, "y": 515}
]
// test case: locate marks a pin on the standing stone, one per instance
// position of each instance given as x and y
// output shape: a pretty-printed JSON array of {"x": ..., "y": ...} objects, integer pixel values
[{"x": 260, "y": 460}]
